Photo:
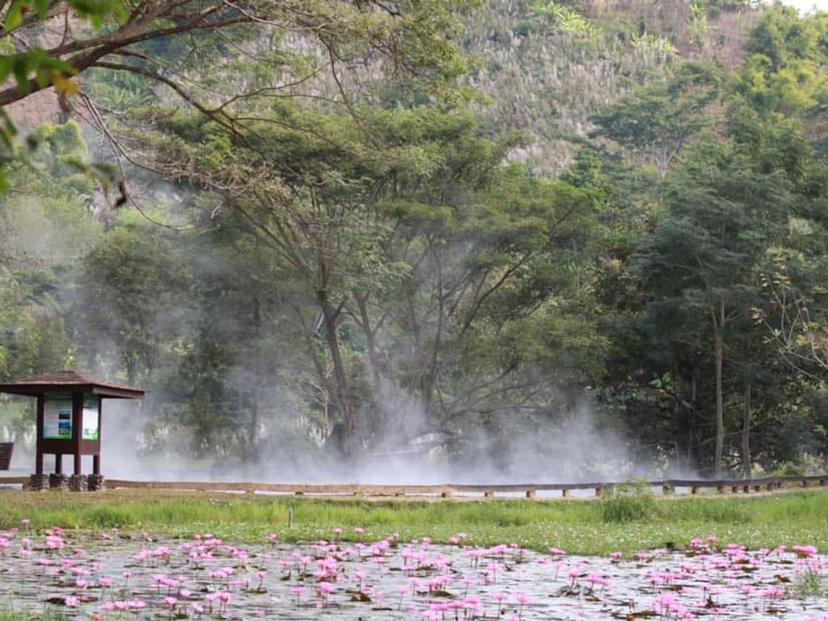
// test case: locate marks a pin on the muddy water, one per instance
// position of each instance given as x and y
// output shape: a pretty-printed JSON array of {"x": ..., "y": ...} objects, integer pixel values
[{"x": 111, "y": 577}]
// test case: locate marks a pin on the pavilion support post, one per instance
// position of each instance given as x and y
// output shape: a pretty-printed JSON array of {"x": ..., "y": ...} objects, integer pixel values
[
  {"x": 38, "y": 481},
  {"x": 39, "y": 442},
  {"x": 95, "y": 481},
  {"x": 77, "y": 482},
  {"x": 96, "y": 461},
  {"x": 77, "y": 429}
]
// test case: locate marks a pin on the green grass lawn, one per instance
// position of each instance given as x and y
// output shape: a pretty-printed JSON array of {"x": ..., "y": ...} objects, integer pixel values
[{"x": 627, "y": 523}]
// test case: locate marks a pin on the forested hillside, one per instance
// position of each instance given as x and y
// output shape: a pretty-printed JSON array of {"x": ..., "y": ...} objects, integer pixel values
[{"x": 528, "y": 238}]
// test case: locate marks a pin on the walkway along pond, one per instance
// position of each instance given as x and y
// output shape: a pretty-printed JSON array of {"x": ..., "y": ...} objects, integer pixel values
[{"x": 527, "y": 490}]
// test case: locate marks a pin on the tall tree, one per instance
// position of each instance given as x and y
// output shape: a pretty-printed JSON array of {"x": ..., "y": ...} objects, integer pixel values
[
  {"x": 722, "y": 214},
  {"x": 401, "y": 37},
  {"x": 656, "y": 122}
]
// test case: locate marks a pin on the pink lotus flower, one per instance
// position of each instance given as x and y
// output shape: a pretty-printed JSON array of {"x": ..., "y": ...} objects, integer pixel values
[{"x": 804, "y": 551}]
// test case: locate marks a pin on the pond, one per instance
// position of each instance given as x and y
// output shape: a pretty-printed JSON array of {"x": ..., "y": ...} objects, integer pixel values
[{"x": 115, "y": 576}]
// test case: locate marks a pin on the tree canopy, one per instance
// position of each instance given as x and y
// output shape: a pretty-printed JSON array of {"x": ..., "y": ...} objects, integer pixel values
[{"x": 340, "y": 229}]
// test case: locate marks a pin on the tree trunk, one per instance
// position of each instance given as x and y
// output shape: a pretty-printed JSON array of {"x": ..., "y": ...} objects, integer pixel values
[
  {"x": 746, "y": 433},
  {"x": 370, "y": 341},
  {"x": 255, "y": 412},
  {"x": 343, "y": 393},
  {"x": 718, "y": 326},
  {"x": 253, "y": 433},
  {"x": 693, "y": 441},
  {"x": 681, "y": 415}
]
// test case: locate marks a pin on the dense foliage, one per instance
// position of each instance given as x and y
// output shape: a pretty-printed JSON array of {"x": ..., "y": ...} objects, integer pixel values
[{"x": 395, "y": 235}]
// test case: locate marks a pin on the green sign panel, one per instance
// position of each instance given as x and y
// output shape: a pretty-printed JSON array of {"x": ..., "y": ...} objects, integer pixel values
[
  {"x": 57, "y": 418},
  {"x": 90, "y": 418}
]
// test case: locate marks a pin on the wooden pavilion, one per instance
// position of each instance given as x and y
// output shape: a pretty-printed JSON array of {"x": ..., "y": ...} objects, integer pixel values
[{"x": 69, "y": 408}]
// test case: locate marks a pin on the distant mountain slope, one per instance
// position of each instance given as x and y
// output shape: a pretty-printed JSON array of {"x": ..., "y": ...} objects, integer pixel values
[{"x": 548, "y": 66}]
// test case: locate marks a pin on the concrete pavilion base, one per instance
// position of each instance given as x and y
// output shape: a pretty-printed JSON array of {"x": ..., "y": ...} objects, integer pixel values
[
  {"x": 58, "y": 481},
  {"x": 78, "y": 482},
  {"x": 72, "y": 482},
  {"x": 95, "y": 483},
  {"x": 39, "y": 482}
]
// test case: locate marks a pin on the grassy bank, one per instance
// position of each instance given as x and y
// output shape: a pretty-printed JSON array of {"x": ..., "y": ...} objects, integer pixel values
[{"x": 626, "y": 523}]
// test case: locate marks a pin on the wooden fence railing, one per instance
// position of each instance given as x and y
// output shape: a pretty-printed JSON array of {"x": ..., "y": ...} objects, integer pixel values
[{"x": 528, "y": 490}]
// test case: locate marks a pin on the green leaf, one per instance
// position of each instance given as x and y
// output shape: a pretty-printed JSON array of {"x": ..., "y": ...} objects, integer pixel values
[
  {"x": 20, "y": 68},
  {"x": 15, "y": 15},
  {"x": 6, "y": 66},
  {"x": 42, "y": 76}
]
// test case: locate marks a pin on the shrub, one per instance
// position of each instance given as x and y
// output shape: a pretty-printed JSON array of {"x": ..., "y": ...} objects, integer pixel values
[{"x": 627, "y": 504}]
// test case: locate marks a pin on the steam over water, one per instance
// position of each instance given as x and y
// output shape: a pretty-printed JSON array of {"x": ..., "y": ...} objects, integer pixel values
[{"x": 576, "y": 451}]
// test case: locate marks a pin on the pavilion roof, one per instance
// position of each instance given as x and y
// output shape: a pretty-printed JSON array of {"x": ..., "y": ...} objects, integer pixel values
[{"x": 70, "y": 380}]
